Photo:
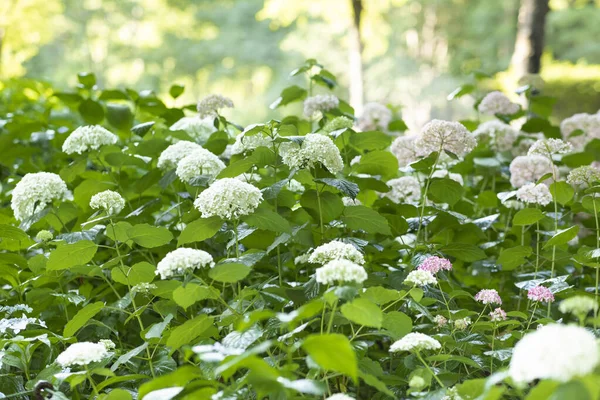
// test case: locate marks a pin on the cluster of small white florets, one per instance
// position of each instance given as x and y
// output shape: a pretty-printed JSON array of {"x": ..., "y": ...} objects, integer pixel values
[
  {"x": 245, "y": 143},
  {"x": 336, "y": 250},
  {"x": 171, "y": 156},
  {"x": 35, "y": 191},
  {"x": 443, "y": 173},
  {"x": 109, "y": 201},
  {"x": 415, "y": 341},
  {"x": 340, "y": 271},
  {"x": 197, "y": 163},
  {"x": 197, "y": 128},
  {"x": 320, "y": 103},
  {"x": 578, "y": 305},
  {"x": 528, "y": 169},
  {"x": 315, "y": 148},
  {"x": 532, "y": 193},
  {"x": 340, "y": 396},
  {"x": 404, "y": 189},
  {"x": 588, "y": 124},
  {"x": 406, "y": 150},
  {"x": 90, "y": 137},
  {"x": 294, "y": 186},
  {"x": 374, "y": 116},
  {"x": 228, "y": 198},
  {"x": 584, "y": 176},
  {"x": 420, "y": 277},
  {"x": 337, "y": 124},
  {"x": 181, "y": 260},
  {"x": 210, "y": 105},
  {"x": 448, "y": 136},
  {"x": 462, "y": 324},
  {"x": 497, "y": 103},
  {"x": 8, "y": 310},
  {"x": 501, "y": 136},
  {"x": 550, "y": 147},
  {"x": 82, "y": 353},
  {"x": 18, "y": 324}
]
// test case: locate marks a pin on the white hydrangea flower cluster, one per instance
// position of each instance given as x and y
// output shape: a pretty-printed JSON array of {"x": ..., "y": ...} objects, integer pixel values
[
  {"x": 210, "y": 105},
  {"x": 337, "y": 124},
  {"x": 245, "y": 143},
  {"x": 90, "y": 137},
  {"x": 438, "y": 135},
  {"x": 9, "y": 310},
  {"x": 228, "y": 198},
  {"x": 315, "y": 148},
  {"x": 82, "y": 353},
  {"x": 336, "y": 250},
  {"x": 406, "y": 150},
  {"x": 532, "y": 193},
  {"x": 340, "y": 271},
  {"x": 497, "y": 103},
  {"x": 340, "y": 396},
  {"x": 452, "y": 394},
  {"x": 109, "y": 201},
  {"x": 556, "y": 352},
  {"x": 374, "y": 116},
  {"x": 197, "y": 128},
  {"x": 550, "y": 147},
  {"x": 442, "y": 173},
  {"x": 197, "y": 163},
  {"x": 584, "y": 176},
  {"x": 35, "y": 191},
  {"x": 404, "y": 189},
  {"x": 500, "y": 135},
  {"x": 420, "y": 278},
  {"x": 294, "y": 186},
  {"x": 18, "y": 324},
  {"x": 320, "y": 103},
  {"x": 171, "y": 156},
  {"x": 143, "y": 287},
  {"x": 415, "y": 341},
  {"x": 182, "y": 259},
  {"x": 589, "y": 124},
  {"x": 578, "y": 305},
  {"x": 462, "y": 324},
  {"x": 528, "y": 169}
]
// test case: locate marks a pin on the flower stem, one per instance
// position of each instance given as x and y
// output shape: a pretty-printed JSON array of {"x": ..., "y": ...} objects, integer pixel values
[{"x": 429, "y": 369}]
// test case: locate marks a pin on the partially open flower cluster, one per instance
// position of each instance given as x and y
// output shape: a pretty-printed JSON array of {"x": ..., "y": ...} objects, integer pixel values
[
  {"x": 210, "y": 105},
  {"x": 320, "y": 103},
  {"x": 110, "y": 201},
  {"x": 245, "y": 143},
  {"x": 340, "y": 271},
  {"x": 497, "y": 103},
  {"x": 488, "y": 296},
  {"x": 228, "y": 198},
  {"x": 415, "y": 341},
  {"x": 200, "y": 162},
  {"x": 532, "y": 193},
  {"x": 90, "y": 137},
  {"x": 435, "y": 264},
  {"x": 405, "y": 189},
  {"x": 197, "y": 128},
  {"x": 448, "y": 136},
  {"x": 584, "y": 176},
  {"x": 550, "y": 147},
  {"x": 420, "y": 277},
  {"x": 337, "y": 124},
  {"x": 540, "y": 293},
  {"x": 315, "y": 148},
  {"x": 374, "y": 116},
  {"x": 183, "y": 259},
  {"x": 35, "y": 191},
  {"x": 336, "y": 250},
  {"x": 82, "y": 353},
  {"x": 498, "y": 315},
  {"x": 528, "y": 169},
  {"x": 171, "y": 156}
]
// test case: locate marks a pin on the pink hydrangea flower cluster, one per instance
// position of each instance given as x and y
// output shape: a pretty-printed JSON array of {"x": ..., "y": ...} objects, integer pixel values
[
  {"x": 498, "y": 315},
  {"x": 488, "y": 296},
  {"x": 540, "y": 293},
  {"x": 435, "y": 264}
]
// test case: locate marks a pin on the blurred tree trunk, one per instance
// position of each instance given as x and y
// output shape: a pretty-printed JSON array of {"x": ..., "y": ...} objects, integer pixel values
[
  {"x": 529, "y": 44},
  {"x": 356, "y": 83}
]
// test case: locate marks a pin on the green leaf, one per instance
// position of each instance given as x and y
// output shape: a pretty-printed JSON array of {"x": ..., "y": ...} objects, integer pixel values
[
  {"x": 91, "y": 111},
  {"x": 361, "y": 311},
  {"x": 573, "y": 390},
  {"x": 350, "y": 189},
  {"x": 229, "y": 272},
  {"x": 149, "y": 236},
  {"x": 13, "y": 238},
  {"x": 331, "y": 205},
  {"x": 189, "y": 331},
  {"x": 86, "y": 79},
  {"x": 514, "y": 257},
  {"x": 445, "y": 190},
  {"x": 119, "y": 116},
  {"x": 562, "y": 236},
  {"x": 176, "y": 90},
  {"x": 380, "y": 295},
  {"x": 81, "y": 318},
  {"x": 367, "y": 219},
  {"x": 142, "y": 129},
  {"x": 463, "y": 251},
  {"x": 378, "y": 162},
  {"x": 138, "y": 273},
  {"x": 397, "y": 324},
  {"x": 187, "y": 295},
  {"x": 200, "y": 230},
  {"x": 461, "y": 91},
  {"x": 370, "y": 140},
  {"x": 527, "y": 216},
  {"x": 333, "y": 352},
  {"x": 289, "y": 95},
  {"x": 265, "y": 219},
  {"x": 562, "y": 192},
  {"x": 70, "y": 255}
]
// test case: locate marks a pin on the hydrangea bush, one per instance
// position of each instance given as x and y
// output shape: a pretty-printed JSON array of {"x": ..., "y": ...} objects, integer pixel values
[{"x": 149, "y": 251}]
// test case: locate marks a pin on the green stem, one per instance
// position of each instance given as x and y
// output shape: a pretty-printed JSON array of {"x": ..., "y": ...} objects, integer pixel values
[
  {"x": 532, "y": 314},
  {"x": 330, "y": 324},
  {"x": 423, "y": 201},
  {"x": 597, "y": 269},
  {"x": 429, "y": 369},
  {"x": 491, "y": 357}
]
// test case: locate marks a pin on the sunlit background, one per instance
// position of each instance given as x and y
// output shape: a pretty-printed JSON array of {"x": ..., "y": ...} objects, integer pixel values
[{"x": 414, "y": 53}]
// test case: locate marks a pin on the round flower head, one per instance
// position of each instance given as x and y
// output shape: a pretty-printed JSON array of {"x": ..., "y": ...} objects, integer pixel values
[
  {"x": 498, "y": 315},
  {"x": 578, "y": 305},
  {"x": 584, "y": 176},
  {"x": 556, "y": 352},
  {"x": 336, "y": 250},
  {"x": 420, "y": 277},
  {"x": 415, "y": 341},
  {"x": 109, "y": 201},
  {"x": 171, "y": 156},
  {"x": 340, "y": 271},
  {"x": 374, "y": 116},
  {"x": 550, "y": 147},
  {"x": 44, "y": 236},
  {"x": 320, "y": 103},
  {"x": 35, "y": 191},
  {"x": 82, "y": 353},
  {"x": 200, "y": 162},
  {"x": 228, "y": 198},
  {"x": 405, "y": 189},
  {"x": 197, "y": 128},
  {"x": 540, "y": 293},
  {"x": 315, "y": 148},
  {"x": 588, "y": 124},
  {"x": 90, "y": 137},
  {"x": 210, "y": 105},
  {"x": 497, "y": 103},
  {"x": 440, "y": 321},
  {"x": 340, "y": 396},
  {"x": 488, "y": 296},
  {"x": 442, "y": 173},
  {"x": 462, "y": 324},
  {"x": 528, "y": 169},
  {"x": 337, "y": 124},
  {"x": 435, "y": 264},
  {"x": 245, "y": 143},
  {"x": 448, "y": 136},
  {"x": 501, "y": 136},
  {"x": 183, "y": 259},
  {"x": 534, "y": 194},
  {"x": 405, "y": 149}
]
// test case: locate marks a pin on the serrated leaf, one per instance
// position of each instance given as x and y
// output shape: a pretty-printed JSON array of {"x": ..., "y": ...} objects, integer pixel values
[
  {"x": 562, "y": 236},
  {"x": 367, "y": 219},
  {"x": 363, "y": 312},
  {"x": 333, "y": 352},
  {"x": 81, "y": 318},
  {"x": 70, "y": 255},
  {"x": 229, "y": 272},
  {"x": 350, "y": 189},
  {"x": 149, "y": 236},
  {"x": 527, "y": 216},
  {"x": 263, "y": 218},
  {"x": 200, "y": 230}
]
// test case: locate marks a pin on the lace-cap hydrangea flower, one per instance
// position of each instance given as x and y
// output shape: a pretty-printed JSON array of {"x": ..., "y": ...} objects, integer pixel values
[
  {"x": 337, "y": 271},
  {"x": 501, "y": 136},
  {"x": 340, "y": 396},
  {"x": 228, "y": 198},
  {"x": 415, "y": 342},
  {"x": 315, "y": 148},
  {"x": 337, "y": 124},
  {"x": 556, "y": 352},
  {"x": 109, "y": 201},
  {"x": 319, "y": 104},
  {"x": 405, "y": 189},
  {"x": 535, "y": 194},
  {"x": 488, "y": 296},
  {"x": 336, "y": 250},
  {"x": 171, "y": 156},
  {"x": 588, "y": 124},
  {"x": 448, "y": 136},
  {"x": 374, "y": 116},
  {"x": 497, "y": 103},
  {"x": 82, "y": 353},
  {"x": 578, "y": 305},
  {"x": 420, "y": 278},
  {"x": 183, "y": 259},
  {"x": 540, "y": 293},
  {"x": 584, "y": 176},
  {"x": 197, "y": 128},
  {"x": 90, "y": 137},
  {"x": 406, "y": 150},
  {"x": 35, "y": 191},
  {"x": 498, "y": 315},
  {"x": 443, "y": 173},
  {"x": 435, "y": 264},
  {"x": 210, "y": 105},
  {"x": 528, "y": 169},
  {"x": 200, "y": 162},
  {"x": 550, "y": 147}
]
